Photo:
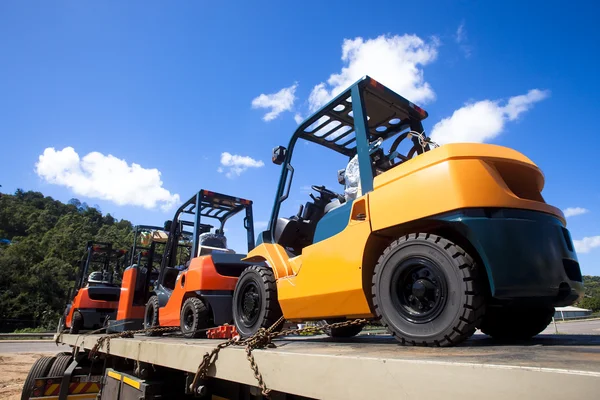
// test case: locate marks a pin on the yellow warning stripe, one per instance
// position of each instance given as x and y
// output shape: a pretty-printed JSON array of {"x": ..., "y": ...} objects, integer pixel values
[
  {"x": 79, "y": 388},
  {"x": 52, "y": 389},
  {"x": 131, "y": 382},
  {"x": 113, "y": 374},
  {"x": 93, "y": 388}
]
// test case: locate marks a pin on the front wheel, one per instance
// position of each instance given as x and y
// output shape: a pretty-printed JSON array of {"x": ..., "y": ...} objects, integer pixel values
[
  {"x": 255, "y": 303},
  {"x": 76, "y": 323},
  {"x": 194, "y": 318},
  {"x": 151, "y": 316},
  {"x": 516, "y": 323},
  {"x": 427, "y": 291}
]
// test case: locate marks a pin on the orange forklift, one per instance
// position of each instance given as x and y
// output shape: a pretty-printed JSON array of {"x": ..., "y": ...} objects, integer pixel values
[
  {"x": 96, "y": 290},
  {"x": 198, "y": 272},
  {"x": 139, "y": 277}
]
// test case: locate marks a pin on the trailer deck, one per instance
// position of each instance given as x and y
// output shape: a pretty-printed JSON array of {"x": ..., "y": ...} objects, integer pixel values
[{"x": 375, "y": 366}]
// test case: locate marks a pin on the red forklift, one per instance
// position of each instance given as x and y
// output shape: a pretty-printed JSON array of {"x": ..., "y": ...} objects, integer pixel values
[
  {"x": 198, "y": 271},
  {"x": 139, "y": 277},
  {"x": 96, "y": 291}
]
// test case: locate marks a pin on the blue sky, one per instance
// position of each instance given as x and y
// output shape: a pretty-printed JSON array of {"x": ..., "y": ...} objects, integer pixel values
[{"x": 171, "y": 88}]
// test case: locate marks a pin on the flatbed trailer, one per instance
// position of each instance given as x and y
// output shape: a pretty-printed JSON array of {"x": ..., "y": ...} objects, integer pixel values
[{"x": 367, "y": 366}]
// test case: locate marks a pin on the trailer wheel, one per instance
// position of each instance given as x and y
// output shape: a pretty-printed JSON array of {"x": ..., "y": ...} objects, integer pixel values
[
  {"x": 194, "y": 316},
  {"x": 151, "y": 316},
  {"x": 39, "y": 369},
  {"x": 427, "y": 292},
  {"x": 255, "y": 303},
  {"x": 515, "y": 323},
  {"x": 76, "y": 323},
  {"x": 60, "y": 365},
  {"x": 341, "y": 332}
]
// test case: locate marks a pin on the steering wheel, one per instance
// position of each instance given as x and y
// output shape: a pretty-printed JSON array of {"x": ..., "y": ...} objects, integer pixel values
[
  {"x": 416, "y": 148},
  {"x": 326, "y": 193}
]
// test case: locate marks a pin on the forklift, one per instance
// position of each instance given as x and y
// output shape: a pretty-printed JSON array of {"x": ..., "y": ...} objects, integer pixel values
[
  {"x": 198, "y": 272},
  {"x": 96, "y": 290},
  {"x": 139, "y": 277},
  {"x": 433, "y": 242}
]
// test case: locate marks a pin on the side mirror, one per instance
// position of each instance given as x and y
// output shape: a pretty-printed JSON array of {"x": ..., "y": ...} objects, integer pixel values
[
  {"x": 279, "y": 154},
  {"x": 341, "y": 179},
  {"x": 168, "y": 225}
]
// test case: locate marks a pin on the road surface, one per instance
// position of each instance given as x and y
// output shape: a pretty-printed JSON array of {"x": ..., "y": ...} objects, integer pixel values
[
  {"x": 591, "y": 327},
  {"x": 31, "y": 346}
]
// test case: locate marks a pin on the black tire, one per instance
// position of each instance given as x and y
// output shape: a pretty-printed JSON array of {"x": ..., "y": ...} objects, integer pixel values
[
  {"x": 39, "y": 369},
  {"x": 193, "y": 317},
  {"x": 59, "y": 366},
  {"x": 515, "y": 323},
  {"x": 427, "y": 291},
  {"x": 76, "y": 323},
  {"x": 255, "y": 303},
  {"x": 151, "y": 316},
  {"x": 342, "y": 332}
]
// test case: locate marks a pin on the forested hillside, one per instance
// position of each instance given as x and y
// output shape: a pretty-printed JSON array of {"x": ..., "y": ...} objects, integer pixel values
[
  {"x": 592, "y": 293},
  {"x": 41, "y": 243}
]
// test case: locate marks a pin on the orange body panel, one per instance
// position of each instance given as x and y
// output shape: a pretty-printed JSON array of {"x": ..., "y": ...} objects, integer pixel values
[
  {"x": 334, "y": 263},
  {"x": 82, "y": 301},
  {"x": 126, "y": 308},
  {"x": 200, "y": 275},
  {"x": 466, "y": 175}
]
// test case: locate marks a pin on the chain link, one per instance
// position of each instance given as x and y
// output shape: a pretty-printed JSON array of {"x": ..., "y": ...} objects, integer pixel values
[
  {"x": 125, "y": 334},
  {"x": 262, "y": 339}
]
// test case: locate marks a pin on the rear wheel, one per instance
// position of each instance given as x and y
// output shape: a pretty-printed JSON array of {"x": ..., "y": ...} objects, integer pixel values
[
  {"x": 39, "y": 369},
  {"x": 427, "y": 291},
  {"x": 76, "y": 323},
  {"x": 194, "y": 318},
  {"x": 151, "y": 316},
  {"x": 516, "y": 323},
  {"x": 60, "y": 366},
  {"x": 255, "y": 303}
]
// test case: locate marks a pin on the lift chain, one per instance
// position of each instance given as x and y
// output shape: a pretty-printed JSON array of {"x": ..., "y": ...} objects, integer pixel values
[
  {"x": 261, "y": 339},
  {"x": 126, "y": 334}
]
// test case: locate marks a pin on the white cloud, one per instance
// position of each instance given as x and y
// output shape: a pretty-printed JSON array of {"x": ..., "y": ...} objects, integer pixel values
[
  {"x": 484, "y": 120},
  {"x": 574, "y": 211},
  {"x": 105, "y": 177},
  {"x": 233, "y": 165},
  {"x": 461, "y": 38},
  {"x": 461, "y": 33},
  {"x": 298, "y": 118},
  {"x": 395, "y": 61},
  {"x": 277, "y": 102},
  {"x": 586, "y": 244}
]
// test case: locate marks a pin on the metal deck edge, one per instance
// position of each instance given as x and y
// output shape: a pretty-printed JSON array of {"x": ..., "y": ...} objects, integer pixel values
[{"x": 347, "y": 377}]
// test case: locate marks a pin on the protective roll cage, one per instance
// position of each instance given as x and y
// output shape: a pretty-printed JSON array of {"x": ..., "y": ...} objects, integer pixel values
[
  {"x": 355, "y": 123},
  {"x": 205, "y": 204},
  {"x": 138, "y": 249},
  {"x": 97, "y": 253}
]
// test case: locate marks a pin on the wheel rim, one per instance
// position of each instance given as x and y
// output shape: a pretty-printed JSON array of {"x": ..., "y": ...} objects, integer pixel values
[
  {"x": 188, "y": 319},
  {"x": 248, "y": 306},
  {"x": 418, "y": 289}
]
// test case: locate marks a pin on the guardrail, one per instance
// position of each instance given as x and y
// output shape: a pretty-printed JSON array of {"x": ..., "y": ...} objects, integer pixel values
[{"x": 41, "y": 335}]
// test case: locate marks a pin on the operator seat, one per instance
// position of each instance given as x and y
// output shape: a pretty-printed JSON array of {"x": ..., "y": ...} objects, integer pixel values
[{"x": 209, "y": 242}]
